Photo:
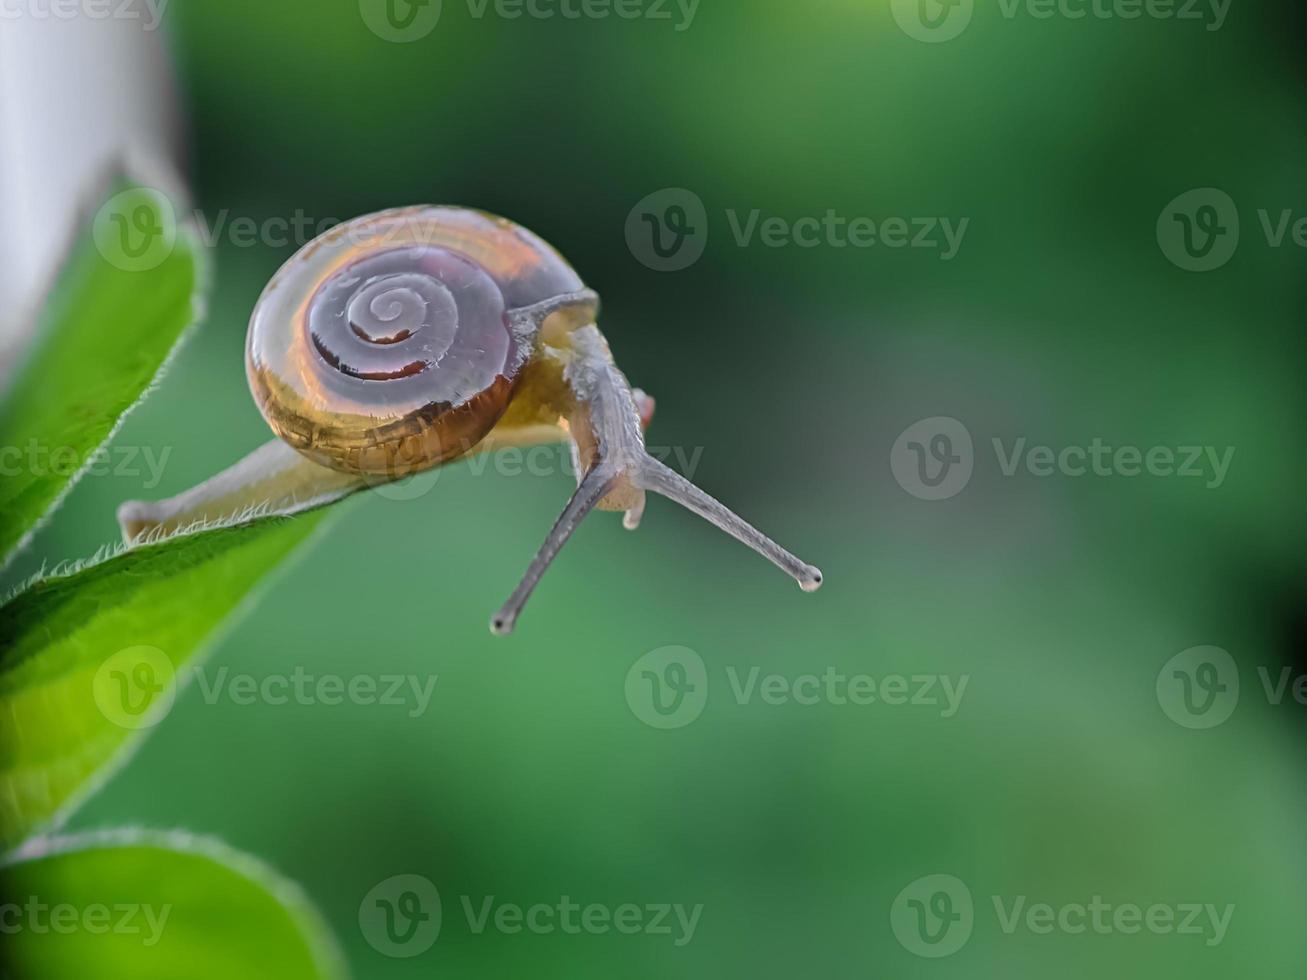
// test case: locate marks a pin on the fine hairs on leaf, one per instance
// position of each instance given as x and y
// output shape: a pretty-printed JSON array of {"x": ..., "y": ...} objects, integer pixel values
[
  {"x": 63, "y": 625},
  {"x": 92, "y": 301}
]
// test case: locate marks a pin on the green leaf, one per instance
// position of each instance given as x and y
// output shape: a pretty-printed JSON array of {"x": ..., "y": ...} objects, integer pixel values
[
  {"x": 93, "y": 659},
  {"x": 140, "y": 905},
  {"x": 127, "y": 292}
]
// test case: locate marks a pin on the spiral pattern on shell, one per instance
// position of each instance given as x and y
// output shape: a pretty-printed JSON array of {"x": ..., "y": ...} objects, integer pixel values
[
  {"x": 393, "y": 317},
  {"x": 387, "y": 345}
]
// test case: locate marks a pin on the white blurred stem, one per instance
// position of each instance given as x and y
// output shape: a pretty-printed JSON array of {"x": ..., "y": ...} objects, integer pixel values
[{"x": 79, "y": 94}]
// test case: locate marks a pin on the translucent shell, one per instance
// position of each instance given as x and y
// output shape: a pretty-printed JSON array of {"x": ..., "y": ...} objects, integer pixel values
[{"x": 390, "y": 343}]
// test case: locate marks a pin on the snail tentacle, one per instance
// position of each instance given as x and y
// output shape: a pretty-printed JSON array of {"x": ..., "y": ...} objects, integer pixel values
[
  {"x": 662, "y": 479},
  {"x": 606, "y": 424},
  {"x": 536, "y": 314},
  {"x": 593, "y": 486}
]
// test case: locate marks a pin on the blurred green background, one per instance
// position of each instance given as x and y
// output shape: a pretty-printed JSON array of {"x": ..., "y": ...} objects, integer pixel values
[{"x": 530, "y": 776}]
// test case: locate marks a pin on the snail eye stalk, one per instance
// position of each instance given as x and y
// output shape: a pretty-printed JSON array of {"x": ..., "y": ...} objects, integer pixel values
[
  {"x": 589, "y": 492},
  {"x": 664, "y": 480},
  {"x": 647, "y": 474},
  {"x": 610, "y": 419}
]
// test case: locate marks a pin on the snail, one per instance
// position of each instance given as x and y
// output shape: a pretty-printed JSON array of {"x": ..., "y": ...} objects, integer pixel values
[{"x": 405, "y": 339}]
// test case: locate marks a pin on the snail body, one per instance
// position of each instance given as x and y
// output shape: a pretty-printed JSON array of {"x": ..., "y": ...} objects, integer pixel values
[{"x": 405, "y": 339}]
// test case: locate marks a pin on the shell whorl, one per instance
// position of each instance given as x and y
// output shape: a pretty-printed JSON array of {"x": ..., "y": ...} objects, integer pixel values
[
  {"x": 389, "y": 344},
  {"x": 421, "y": 316}
]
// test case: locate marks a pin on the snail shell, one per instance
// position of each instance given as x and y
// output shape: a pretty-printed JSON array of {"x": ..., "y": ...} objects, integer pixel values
[{"x": 394, "y": 342}]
